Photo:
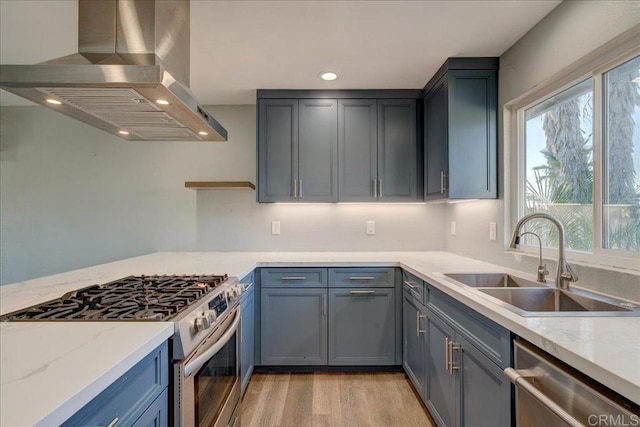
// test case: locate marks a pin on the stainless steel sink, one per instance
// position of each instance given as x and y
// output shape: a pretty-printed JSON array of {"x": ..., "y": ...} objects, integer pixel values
[
  {"x": 557, "y": 302},
  {"x": 494, "y": 280}
]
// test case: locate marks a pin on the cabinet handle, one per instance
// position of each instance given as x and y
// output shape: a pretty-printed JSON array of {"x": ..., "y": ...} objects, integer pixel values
[
  {"x": 113, "y": 422},
  {"x": 362, "y": 292},
  {"x": 324, "y": 305},
  {"x": 380, "y": 189},
  {"x": 452, "y": 347},
  {"x": 446, "y": 353},
  {"x": 375, "y": 188},
  {"x": 300, "y": 189},
  {"x": 293, "y": 278},
  {"x": 361, "y": 278},
  {"x": 418, "y": 317},
  {"x": 409, "y": 284},
  {"x": 295, "y": 188},
  {"x": 442, "y": 188}
]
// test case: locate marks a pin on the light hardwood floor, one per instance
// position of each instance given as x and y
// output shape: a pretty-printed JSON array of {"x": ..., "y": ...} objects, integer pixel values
[{"x": 331, "y": 399}]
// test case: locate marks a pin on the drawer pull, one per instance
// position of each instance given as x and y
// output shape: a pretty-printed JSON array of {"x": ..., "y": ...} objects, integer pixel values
[
  {"x": 361, "y": 278},
  {"x": 362, "y": 292},
  {"x": 113, "y": 422},
  {"x": 409, "y": 284},
  {"x": 293, "y": 278},
  {"x": 446, "y": 353}
]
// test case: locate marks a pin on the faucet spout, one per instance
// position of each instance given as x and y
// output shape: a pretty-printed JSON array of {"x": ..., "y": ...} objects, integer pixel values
[{"x": 564, "y": 272}]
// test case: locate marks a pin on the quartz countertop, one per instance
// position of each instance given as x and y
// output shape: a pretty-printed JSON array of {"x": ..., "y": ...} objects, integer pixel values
[{"x": 39, "y": 386}]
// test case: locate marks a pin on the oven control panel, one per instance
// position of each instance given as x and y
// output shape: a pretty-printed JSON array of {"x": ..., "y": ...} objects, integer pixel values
[{"x": 219, "y": 304}]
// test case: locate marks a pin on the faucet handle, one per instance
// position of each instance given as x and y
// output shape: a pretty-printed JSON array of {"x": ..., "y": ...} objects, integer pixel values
[
  {"x": 569, "y": 274},
  {"x": 542, "y": 272}
]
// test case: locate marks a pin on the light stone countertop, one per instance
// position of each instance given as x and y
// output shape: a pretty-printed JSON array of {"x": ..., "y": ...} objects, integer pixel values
[{"x": 49, "y": 370}]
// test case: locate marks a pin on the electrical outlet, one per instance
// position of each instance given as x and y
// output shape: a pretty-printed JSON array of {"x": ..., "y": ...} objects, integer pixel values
[
  {"x": 371, "y": 228},
  {"x": 453, "y": 228},
  {"x": 493, "y": 231},
  {"x": 275, "y": 227}
]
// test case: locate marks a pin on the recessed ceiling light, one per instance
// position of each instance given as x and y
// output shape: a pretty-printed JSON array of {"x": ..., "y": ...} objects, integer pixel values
[
  {"x": 53, "y": 101},
  {"x": 203, "y": 133},
  {"x": 328, "y": 75},
  {"x": 123, "y": 132},
  {"x": 162, "y": 101}
]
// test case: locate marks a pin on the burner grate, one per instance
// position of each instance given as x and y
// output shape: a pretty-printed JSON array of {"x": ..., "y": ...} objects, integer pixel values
[{"x": 130, "y": 298}]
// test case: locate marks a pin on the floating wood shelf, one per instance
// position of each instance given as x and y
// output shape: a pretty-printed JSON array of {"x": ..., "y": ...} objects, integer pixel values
[{"x": 220, "y": 185}]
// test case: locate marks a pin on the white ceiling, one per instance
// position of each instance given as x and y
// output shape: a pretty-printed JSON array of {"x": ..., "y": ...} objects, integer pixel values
[{"x": 240, "y": 46}]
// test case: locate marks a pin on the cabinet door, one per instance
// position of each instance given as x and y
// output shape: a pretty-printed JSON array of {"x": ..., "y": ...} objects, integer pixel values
[
  {"x": 357, "y": 147},
  {"x": 441, "y": 384},
  {"x": 472, "y": 133},
  {"x": 157, "y": 414},
  {"x": 361, "y": 326},
  {"x": 247, "y": 307},
  {"x": 277, "y": 149},
  {"x": 318, "y": 150},
  {"x": 484, "y": 392},
  {"x": 414, "y": 342},
  {"x": 436, "y": 165},
  {"x": 398, "y": 151},
  {"x": 293, "y": 326}
]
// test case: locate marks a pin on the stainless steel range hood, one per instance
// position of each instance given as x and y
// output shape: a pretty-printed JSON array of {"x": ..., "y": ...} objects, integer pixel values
[{"x": 130, "y": 76}]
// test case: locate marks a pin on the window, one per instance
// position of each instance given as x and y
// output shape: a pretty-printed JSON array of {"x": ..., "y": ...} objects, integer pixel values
[{"x": 578, "y": 158}]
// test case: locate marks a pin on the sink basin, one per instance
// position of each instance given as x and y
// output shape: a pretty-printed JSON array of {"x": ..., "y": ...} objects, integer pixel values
[
  {"x": 556, "y": 302},
  {"x": 494, "y": 280}
]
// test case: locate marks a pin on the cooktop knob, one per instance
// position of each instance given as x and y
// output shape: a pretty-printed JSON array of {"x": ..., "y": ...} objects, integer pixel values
[
  {"x": 201, "y": 323},
  {"x": 211, "y": 315}
]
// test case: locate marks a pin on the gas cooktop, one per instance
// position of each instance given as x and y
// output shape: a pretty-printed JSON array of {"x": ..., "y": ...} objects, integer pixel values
[{"x": 130, "y": 298}]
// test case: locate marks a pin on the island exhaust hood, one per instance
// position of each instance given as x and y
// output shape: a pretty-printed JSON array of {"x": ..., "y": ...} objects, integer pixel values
[{"x": 130, "y": 76}]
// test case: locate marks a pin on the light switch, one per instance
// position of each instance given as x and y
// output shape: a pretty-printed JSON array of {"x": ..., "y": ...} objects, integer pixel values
[
  {"x": 493, "y": 231},
  {"x": 453, "y": 228},
  {"x": 371, "y": 228},
  {"x": 275, "y": 227}
]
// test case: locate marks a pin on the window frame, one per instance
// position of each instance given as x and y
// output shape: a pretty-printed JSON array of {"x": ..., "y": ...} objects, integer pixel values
[{"x": 593, "y": 67}]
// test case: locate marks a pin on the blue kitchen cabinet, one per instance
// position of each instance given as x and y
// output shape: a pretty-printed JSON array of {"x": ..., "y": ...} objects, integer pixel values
[
  {"x": 247, "y": 332},
  {"x": 414, "y": 341},
  {"x": 137, "y": 398},
  {"x": 293, "y": 326},
  {"x": 379, "y": 150},
  {"x": 466, "y": 356},
  {"x": 361, "y": 326},
  {"x": 277, "y": 149},
  {"x": 297, "y": 150},
  {"x": 460, "y": 130}
]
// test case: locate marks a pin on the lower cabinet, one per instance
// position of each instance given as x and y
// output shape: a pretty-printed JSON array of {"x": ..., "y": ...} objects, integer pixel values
[
  {"x": 293, "y": 326},
  {"x": 335, "y": 316},
  {"x": 247, "y": 335},
  {"x": 361, "y": 326},
  {"x": 414, "y": 339},
  {"x": 138, "y": 398},
  {"x": 466, "y": 355}
]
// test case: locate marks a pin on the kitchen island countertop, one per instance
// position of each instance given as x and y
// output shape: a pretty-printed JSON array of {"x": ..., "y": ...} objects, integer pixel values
[{"x": 50, "y": 370}]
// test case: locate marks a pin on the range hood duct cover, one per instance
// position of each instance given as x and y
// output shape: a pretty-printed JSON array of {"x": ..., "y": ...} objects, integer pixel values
[{"x": 131, "y": 53}]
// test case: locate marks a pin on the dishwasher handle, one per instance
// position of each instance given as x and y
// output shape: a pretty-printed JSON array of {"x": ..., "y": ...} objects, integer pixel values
[{"x": 519, "y": 379}]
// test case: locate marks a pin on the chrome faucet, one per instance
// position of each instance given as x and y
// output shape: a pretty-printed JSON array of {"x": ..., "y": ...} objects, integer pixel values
[
  {"x": 542, "y": 268},
  {"x": 564, "y": 272}
]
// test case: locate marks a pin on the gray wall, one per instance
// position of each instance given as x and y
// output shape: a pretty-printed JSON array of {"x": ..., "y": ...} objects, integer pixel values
[
  {"x": 72, "y": 196},
  {"x": 566, "y": 34}
]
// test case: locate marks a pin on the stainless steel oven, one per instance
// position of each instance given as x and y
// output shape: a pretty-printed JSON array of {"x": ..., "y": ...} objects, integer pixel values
[{"x": 207, "y": 381}]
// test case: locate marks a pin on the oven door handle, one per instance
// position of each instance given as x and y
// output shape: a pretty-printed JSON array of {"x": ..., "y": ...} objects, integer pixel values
[{"x": 199, "y": 361}]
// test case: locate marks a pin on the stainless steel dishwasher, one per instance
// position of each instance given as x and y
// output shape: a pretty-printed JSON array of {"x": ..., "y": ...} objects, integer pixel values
[{"x": 550, "y": 393}]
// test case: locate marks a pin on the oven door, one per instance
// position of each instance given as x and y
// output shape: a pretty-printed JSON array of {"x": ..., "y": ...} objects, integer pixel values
[{"x": 207, "y": 382}]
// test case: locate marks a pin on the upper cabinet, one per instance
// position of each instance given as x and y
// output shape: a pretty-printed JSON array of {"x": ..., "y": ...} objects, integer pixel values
[
  {"x": 339, "y": 146},
  {"x": 460, "y": 106},
  {"x": 297, "y": 150}
]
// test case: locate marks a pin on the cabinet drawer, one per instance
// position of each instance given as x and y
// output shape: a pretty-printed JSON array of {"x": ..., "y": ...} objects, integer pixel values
[
  {"x": 362, "y": 277},
  {"x": 130, "y": 395},
  {"x": 416, "y": 287},
  {"x": 293, "y": 277},
  {"x": 489, "y": 337}
]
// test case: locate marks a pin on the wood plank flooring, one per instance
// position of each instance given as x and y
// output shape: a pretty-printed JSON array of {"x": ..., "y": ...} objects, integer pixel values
[{"x": 331, "y": 399}]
